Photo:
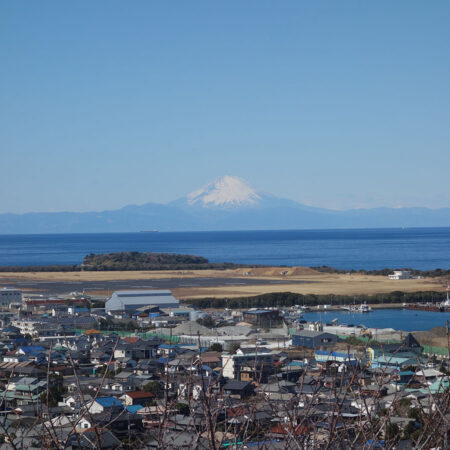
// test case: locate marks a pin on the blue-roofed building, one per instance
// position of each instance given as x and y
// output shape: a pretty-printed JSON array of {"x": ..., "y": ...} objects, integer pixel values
[
  {"x": 100, "y": 404},
  {"x": 167, "y": 349},
  {"x": 297, "y": 364},
  {"x": 373, "y": 443},
  {"x": 163, "y": 360},
  {"x": 133, "y": 409},
  {"x": 394, "y": 362},
  {"x": 348, "y": 359},
  {"x": 439, "y": 386},
  {"x": 30, "y": 350},
  {"x": 406, "y": 376}
]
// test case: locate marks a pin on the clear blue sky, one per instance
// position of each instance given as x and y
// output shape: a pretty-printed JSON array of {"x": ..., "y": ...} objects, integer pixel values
[{"x": 333, "y": 103}]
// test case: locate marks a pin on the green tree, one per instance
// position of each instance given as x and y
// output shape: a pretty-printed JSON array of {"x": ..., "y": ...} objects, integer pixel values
[
  {"x": 154, "y": 387},
  {"x": 414, "y": 413},
  {"x": 234, "y": 347},
  {"x": 183, "y": 408},
  {"x": 216, "y": 347},
  {"x": 392, "y": 432},
  {"x": 409, "y": 430}
]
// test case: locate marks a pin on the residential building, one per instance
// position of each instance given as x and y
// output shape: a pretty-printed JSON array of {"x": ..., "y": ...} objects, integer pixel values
[
  {"x": 253, "y": 366},
  {"x": 313, "y": 339},
  {"x": 400, "y": 275},
  {"x": 262, "y": 317}
]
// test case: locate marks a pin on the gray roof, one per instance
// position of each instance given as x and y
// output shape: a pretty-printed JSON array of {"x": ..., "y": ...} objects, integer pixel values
[
  {"x": 310, "y": 333},
  {"x": 142, "y": 293},
  {"x": 120, "y": 300}
]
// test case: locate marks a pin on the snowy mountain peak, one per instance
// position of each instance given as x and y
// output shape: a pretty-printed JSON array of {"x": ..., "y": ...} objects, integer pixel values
[{"x": 223, "y": 192}]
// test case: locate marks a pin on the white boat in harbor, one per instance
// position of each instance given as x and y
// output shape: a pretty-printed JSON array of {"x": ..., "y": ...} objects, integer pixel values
[
  {"x": 362, "y": 308},
  {"x": 446, "y": 303}
]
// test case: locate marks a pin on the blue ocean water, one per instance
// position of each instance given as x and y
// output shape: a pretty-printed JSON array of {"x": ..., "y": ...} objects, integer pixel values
[
  {"x": 419, "y": 248},
  {"x": 399, "y": 319}
]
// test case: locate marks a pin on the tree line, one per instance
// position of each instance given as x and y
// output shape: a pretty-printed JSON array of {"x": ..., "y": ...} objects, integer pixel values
[
  {"x": 386, "y": 271},
  {"x": 277, "y": 299}
]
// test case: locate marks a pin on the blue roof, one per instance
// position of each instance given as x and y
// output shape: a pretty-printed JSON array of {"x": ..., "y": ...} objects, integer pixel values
[
  {"x": 337, "y": 354},
  {"x": 260, "y": 444},
  {"x": 257, "y": 311},
  {"x": 167, "y": 346},
  {"x": 133, "y": 409},
  {"x": 32, "y": 349},
  {"x": 393, "y": 359},
  {"x": 374, "y": 443},
  {"x": 343, "y": 355},
  {"x": 297, "y": 363},
  {"x": 406, "y": 373},
  {"x": 163, "y": 360},
  {"x": 108, "y": 402}
]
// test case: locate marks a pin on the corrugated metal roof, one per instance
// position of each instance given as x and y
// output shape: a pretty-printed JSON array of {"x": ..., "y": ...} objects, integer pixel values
[
  {"x": 311, "y": 333},
  {"x": 135, "y": 299},
  {"x": 139, "y": 293}
]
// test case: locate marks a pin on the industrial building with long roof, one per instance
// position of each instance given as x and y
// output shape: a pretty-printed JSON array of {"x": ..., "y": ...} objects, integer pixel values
[{"x": 131, "y": 301}]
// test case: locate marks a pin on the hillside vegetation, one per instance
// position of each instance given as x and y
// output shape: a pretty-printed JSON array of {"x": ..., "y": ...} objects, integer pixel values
[{"x": 149, "y": 261}]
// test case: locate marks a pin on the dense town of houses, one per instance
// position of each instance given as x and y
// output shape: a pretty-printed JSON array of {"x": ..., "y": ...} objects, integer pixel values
[{"x": 144, "y": 372}]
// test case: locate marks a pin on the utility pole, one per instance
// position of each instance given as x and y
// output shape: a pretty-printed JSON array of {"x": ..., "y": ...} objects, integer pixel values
[{"x": 448, "y": 345}]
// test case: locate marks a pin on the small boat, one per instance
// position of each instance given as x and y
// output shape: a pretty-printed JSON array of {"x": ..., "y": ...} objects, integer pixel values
[
  {"x": 363, "y": 308},
  {"x": 446, "y": 303}
]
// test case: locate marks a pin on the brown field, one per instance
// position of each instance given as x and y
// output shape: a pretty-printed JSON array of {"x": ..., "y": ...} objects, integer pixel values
[
  {"x": 320, "y": 284},
  {"x": 314, "y": 282}
]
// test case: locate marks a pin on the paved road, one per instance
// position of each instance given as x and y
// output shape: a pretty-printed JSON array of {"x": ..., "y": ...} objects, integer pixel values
[{"x": 57, "y": 288}]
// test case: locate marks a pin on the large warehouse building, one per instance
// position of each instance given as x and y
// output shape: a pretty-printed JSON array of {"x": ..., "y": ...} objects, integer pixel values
[
  {"x": 8, "y": 296},
  {"x": 131, "y": 301}
]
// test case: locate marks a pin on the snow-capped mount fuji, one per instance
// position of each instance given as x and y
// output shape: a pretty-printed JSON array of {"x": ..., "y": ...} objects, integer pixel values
[
  {"x": 228, "y": 203},
  {"x": 225, "y": 192}
]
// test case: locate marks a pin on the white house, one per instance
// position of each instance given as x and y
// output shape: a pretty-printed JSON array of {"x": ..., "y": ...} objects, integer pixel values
[{"x": 400, "y": 275}]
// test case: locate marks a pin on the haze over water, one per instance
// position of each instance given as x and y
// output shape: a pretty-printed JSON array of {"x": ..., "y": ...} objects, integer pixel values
[{"x": 419, "y": 248}]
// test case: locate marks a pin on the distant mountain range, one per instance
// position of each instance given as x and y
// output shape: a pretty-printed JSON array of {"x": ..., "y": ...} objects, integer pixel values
[{"x": 228, "y": 203}]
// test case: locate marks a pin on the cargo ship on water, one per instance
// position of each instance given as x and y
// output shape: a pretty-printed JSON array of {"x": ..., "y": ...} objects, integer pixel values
[
  {"x": 443, "y": 306},
  {"x": 434, "y": 307}
]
